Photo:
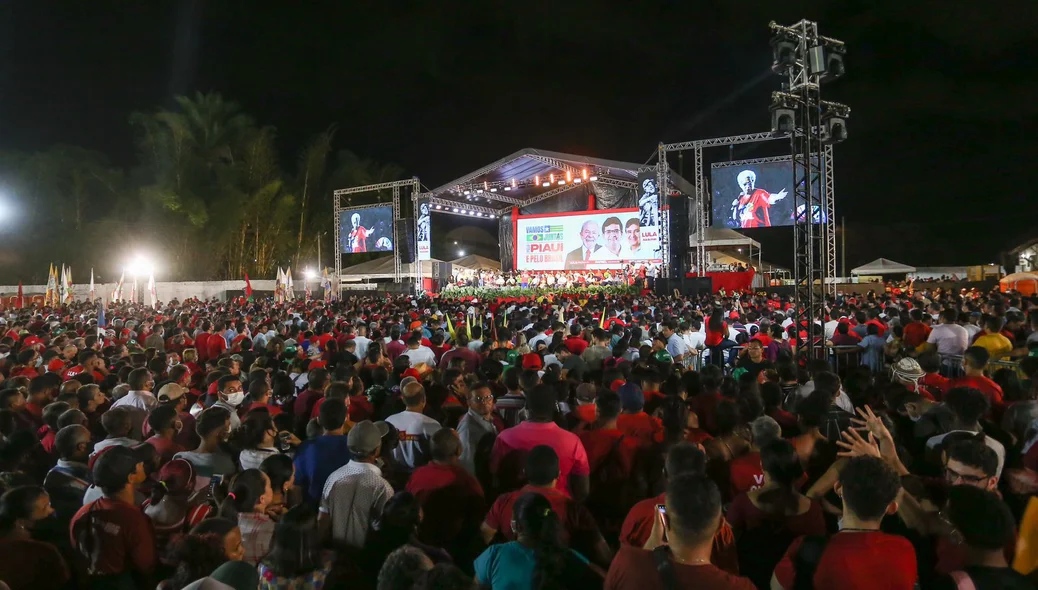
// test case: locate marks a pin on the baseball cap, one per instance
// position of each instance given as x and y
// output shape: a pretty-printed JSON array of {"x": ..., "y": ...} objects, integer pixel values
[
  {"x": 171, "y": 392},
  {"x": 662, "y": 356},
  {"x": 532, "y": 360},
  {"x": 631, "y": 397},
  {"x": 114, "y": 465},
  {"x": 366, "y": 436}
]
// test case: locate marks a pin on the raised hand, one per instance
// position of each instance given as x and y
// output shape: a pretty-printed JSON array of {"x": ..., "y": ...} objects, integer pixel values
[{"x": 856, "y": 446}]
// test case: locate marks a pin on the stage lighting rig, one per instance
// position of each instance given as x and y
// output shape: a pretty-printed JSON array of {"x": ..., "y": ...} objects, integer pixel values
[
  {"x": 783, "y": 51},
  {"x": 834, "y": 121},
  {"x": 783, "y": 113}
]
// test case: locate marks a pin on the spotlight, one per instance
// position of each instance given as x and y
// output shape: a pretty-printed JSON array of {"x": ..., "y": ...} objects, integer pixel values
[
  {"x": 472, "y": 212},
  {"x": 492, "y": 216},
  {"x": 494, "y": 190},
  {"x": 584, "y": 173},
  {"x": 479, "y": 191},
  {"x": 513, "y": 183},
  {"x": 783, "y": 120},
  {"x": 546, "y": 184},
  {"x": 783, "y": 52},
  {"x": 834, "y": 122},
  {"x": 576, "y": 181},
  {"x": 536, "y": 179},
  {"x": 468, "y": 192},
  {"x": 455, "y": 209},
  {"x": 561, "y": 182},
  {"x": 438, "y": 207},
  {"x": 834, "y": 67},
  {"x": 593, "y": 178},
  {"x": 508, "y": 188}
]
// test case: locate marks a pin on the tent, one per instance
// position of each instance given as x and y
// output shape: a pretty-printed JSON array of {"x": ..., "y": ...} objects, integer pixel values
[
  {"x": 718, "y": 237},
  {"x": 476, "y": 262},
  {"x": 882, "y": 266},
  {"x": 382, "y": 268},
  {"x": 1024, "y": 282}
]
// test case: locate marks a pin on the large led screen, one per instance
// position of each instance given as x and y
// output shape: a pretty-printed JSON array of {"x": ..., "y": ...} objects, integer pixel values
[
  {"x": 752, "y": 195},
  {"x": 366, "y": 230},
  {"x": 585, "y": 240}
]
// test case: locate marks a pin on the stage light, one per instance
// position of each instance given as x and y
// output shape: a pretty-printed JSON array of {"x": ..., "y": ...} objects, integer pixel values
[
  {"x": 492, "y": 216},
  {"x": 455, "y": 209},
  {"x": 438, "y": 207},
  {"x": 494, "y": 190},
  {"x": 140, "y": 267},
  {"x": 485, "y": 185},
  {"x": 461, "y": 252},
  {"x": 546, "y": 184},
  {"x": 468, "y": 192},
  {"x": 834, "y": 122},
  {"x": 569, "y": 176},
  {"x": 551, "y": 178},
  {"x": 513, "y": 183},
  {"x": 576, "y": 181},
  {"x": 593, "y": 178},
  {"x": 561, "y": 182},
  {"x": 536, "y": 179},
  {"x": 834, "y": 67},
  {"x": 310, "y": 274},
  {"x": 783, "y": 120},
  {"x": 585, "y": 173},
  {"x": 472, "y": 212},
  {"x": 479, "y": 191},
  {"x": 783, "y": 52},
  {"x": 508, "y": 188}
]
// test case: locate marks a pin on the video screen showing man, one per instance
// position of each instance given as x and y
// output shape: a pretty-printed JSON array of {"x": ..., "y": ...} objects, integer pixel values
[
  {"x": 750, "y": 208},
  {"x": 612, "y": 229},
  {"x": 578, "y": 259},
  {"x": 368, "y": 230},
  {"x": 633, "y": 238},
  {"x": 358, "y": 235}
]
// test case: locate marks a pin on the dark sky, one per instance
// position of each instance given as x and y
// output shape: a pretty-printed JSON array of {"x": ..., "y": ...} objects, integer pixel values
[{"x": 943, "y": 94}]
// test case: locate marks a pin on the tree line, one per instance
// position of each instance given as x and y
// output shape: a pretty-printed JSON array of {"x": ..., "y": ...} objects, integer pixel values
[{"x": 207, "y": 197}]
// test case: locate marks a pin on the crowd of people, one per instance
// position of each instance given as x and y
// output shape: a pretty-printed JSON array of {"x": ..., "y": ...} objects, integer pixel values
[
  {"x": 412, "y": 443},
  {"x": 636, "y": 273}
]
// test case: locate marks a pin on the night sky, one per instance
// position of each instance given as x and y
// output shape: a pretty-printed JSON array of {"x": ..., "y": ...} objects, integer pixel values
[{"x": 937, "y": 168}]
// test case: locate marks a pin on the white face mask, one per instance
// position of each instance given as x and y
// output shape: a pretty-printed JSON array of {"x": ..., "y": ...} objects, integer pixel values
[{"x": 235, "y": 399}]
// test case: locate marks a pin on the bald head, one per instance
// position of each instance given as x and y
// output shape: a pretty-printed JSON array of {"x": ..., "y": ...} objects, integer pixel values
[{"x": 414, "y": 396}]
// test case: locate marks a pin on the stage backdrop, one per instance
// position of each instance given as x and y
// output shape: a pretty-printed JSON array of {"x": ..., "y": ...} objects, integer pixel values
[
  {"x": 366, "y": 230},
  {"x": 585, "y": 240}
]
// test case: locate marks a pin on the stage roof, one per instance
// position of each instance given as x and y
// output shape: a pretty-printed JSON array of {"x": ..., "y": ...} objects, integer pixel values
[
  {"x": 717, "y": 237},
  {"x": 526, "y": 164}
]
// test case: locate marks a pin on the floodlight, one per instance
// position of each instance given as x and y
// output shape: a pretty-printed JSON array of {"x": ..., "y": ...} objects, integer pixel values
[
  {"x": 310, "y": 273},
  {"x": 783, "y": 120},
  {"x": 140, "y": 267},
  {"x": 784, "y": 52},
  {"x": 593, "y": 178},
  {"x": 834, "y": 67}
]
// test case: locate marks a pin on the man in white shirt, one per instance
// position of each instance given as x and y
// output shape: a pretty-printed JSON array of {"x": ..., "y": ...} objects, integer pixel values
[
  {"x": 541, "y": 327},
  {"x": 417, "y": 353},
  {"x": 415, "y": 428},
  {"x": 139, "y": 401},
  {"x": 613, "y": 233},
  {"x": 362, "y": 341},
  {"x": 830, "y": 327},
  {"x": 355, "y": 493},
  {"x": 949, "y": 338}
]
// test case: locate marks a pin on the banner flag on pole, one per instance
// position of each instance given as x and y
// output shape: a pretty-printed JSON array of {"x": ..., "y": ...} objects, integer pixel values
[
  {"x": 151, "y": 290},
  {"x": 91, "y": 284},
  {"x": 248, "y": 288},
  {"x": 69, "y": 295}
]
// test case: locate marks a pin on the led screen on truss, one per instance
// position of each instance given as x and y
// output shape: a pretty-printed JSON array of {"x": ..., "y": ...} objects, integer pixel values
[
  {"x": 582, "y": 240},
  {"x": 366, "y": 230},
  {"x": 748, "y": 195}
]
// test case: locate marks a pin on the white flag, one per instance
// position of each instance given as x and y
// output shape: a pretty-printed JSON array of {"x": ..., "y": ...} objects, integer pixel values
[
  {"x": 151, "y": 290},
  {"x": 91, "y": 285}
]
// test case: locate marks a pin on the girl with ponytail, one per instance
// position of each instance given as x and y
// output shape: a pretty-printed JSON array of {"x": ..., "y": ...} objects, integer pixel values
[
  {"x": 538, "y": 554},
  {"x": 246, "y": 503},
  {"x": 171, "y": 508}
]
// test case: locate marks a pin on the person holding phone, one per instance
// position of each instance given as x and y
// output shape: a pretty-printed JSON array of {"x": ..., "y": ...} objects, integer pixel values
[
  {"x": 677, "y": 553},
  {"x": 259, "y": 438}
]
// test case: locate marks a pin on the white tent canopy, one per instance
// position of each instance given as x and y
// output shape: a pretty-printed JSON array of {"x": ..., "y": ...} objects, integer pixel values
[
  {"x": 882, "y": 266},
  {"x": 382, "y": 268},
  {"x": 476, "y": 262},
  {"x": 716, "y": 237}
]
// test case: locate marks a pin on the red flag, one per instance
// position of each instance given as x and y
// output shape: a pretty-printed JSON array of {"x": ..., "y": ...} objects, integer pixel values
[
  {"x": 248, "y": 287},
  {"x": 21, "y": 302}
]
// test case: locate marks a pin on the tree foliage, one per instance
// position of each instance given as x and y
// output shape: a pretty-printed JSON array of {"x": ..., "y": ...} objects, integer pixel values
[{"x": 207, "y": 197}]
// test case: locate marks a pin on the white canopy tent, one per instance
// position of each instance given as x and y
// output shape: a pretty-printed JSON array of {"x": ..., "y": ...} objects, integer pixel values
[
  {"x": 883, "y": 266},
  {"x": 720, "y": 242},
  {"x": 476, "y": 262},
  {"x": 382, "y": 268}
]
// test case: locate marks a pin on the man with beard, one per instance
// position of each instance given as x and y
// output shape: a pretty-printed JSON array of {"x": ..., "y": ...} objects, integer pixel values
[{"x": 750, "y": 209}]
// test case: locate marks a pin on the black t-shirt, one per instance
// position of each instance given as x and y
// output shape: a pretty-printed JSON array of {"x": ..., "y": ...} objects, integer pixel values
[
  {"x": 754, "y": 368},
  {"x": 988, "y": 578}
]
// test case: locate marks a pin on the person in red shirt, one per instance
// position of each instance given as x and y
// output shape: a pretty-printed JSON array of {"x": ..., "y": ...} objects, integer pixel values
[
  {"x": 683, "y": 533},
  {"x": 202, "y": 342},
  {"x": 860, "y": 556},
  {"x": 24, "y": 561},
  {"x": 633, "y": 421},
  {"x": 974, "y": 361},
  {"x": 451, "y": 498},
  {"x": 651, "y": 382},
  {"x": 216, "y": 345},
  {"x": 396, "y": 346},
  {"x": 771, "y": 394},
  {"x": 305, "y": 402},
  {"x": 745, "y": 472},
  {"x": 917, "y": 330},
  {"x": 112, "y": 534},
  {"x": 683, "y": 458},
  {"x": 574, "y": 342},
  {"x": 89, "y": 362},
  {"x": 542, "y": 473},
  {"x": 611, "y": 455},
  {"x": 937, "y": 384}
]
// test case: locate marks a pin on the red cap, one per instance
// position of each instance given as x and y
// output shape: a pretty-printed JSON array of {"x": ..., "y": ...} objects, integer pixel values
[
  {"x": 532, "y": 360},
  {"x": 413, "y": 373},
  {"x": 617, "y": 384}
]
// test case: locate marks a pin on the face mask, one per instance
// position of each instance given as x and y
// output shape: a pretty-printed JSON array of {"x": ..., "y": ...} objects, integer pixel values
[{"x": 235, "y": 399}]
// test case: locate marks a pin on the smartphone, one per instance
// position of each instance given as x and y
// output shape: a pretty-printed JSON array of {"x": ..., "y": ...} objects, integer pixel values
[{"x": 661, "y": 513}]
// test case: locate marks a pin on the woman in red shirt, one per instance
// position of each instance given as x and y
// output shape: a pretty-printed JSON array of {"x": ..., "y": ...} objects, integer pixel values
[{"x": 717, "y": 340}]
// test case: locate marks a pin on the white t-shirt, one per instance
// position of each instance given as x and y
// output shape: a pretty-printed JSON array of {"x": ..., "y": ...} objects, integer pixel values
[
  {"x": 830, "y": 329},
  {"x": 993, "y": 444},
  {"x": 362, "y": 345},
  {"x": 422, "y": 354},
  {"x": 603, "y": 253},
  {"x": 949, "y": 339},
  {"x": 415, "y": 430}
]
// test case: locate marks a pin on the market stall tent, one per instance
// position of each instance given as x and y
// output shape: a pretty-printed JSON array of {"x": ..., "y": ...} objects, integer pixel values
[
  {"x": 1024, "y": 282},
  {"x": 883, "y": 266}
]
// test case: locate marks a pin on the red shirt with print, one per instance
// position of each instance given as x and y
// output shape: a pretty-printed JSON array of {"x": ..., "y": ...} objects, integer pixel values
[
  {"x": 857, "y": 561},
  {"x": 745, "y": 473}
]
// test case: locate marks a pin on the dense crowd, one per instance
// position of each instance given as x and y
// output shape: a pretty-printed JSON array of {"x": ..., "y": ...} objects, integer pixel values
[
  {"x": 558, "y": 442},
  {"x": 632, "y": 274}
]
